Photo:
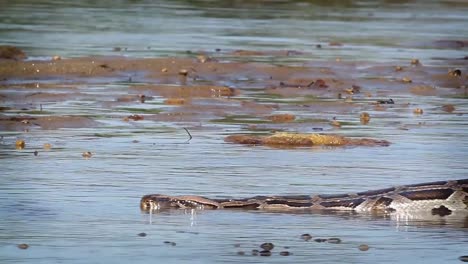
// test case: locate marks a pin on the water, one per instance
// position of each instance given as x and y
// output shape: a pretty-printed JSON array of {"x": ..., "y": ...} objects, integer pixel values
[{"x": 73, "y": 210}]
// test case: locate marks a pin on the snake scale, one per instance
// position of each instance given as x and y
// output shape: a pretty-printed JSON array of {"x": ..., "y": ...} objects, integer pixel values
[{"x": 441, "y": 197}]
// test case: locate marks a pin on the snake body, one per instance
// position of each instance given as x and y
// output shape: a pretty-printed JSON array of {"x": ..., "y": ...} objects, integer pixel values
[{"x": 441, "y": 197}]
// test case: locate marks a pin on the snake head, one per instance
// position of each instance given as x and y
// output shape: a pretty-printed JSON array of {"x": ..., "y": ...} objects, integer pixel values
[
  {"x": 155, "y": 202},
  {"x": 161, "y": 202}
]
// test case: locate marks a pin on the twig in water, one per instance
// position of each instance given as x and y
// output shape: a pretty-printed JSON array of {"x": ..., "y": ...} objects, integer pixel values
[{"x": 190, "y": 136}]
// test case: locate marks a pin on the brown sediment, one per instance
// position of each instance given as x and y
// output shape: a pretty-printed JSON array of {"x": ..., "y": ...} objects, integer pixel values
[
  {"x": 282, "y": 118},
  {"x": 9, "y": 123},
  {"x": 278, "y": 53},
  {"x": 131, "y": 98},
  {"x": 134, "y": 118},
  {"x": 335, "y": 43},
  {"x": 449, "y": 44},
  {"x": 223, "y": 107},
  {"x": 175, "y": 117},
  {"x": 319, "y": 78},
  {"x": 185, "y": 91},
  {"x": 11, "y": 53},
  {"x": 448, "y": 108},
  {"x": 175, "y": 101},
  {"x": 303, "y": 140},
  {"x": 56, "y": 122},
  {"x": 210, "y": 90},
  {"x": 423, "y": 90},
  {"x": 364, "y": 117}
]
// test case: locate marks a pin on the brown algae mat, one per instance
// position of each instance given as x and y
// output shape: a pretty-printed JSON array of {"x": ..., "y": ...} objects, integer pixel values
[{"x": 293, "y": 139}]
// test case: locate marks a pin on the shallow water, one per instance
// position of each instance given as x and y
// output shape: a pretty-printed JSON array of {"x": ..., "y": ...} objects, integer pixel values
[{"x": 73, "y": 210}]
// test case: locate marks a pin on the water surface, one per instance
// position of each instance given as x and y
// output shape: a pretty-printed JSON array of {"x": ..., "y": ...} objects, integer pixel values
[{"x": 74, "y": 210}]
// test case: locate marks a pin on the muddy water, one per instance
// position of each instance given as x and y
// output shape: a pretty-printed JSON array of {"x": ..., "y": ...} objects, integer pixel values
[{"x": 69, "y": 209}]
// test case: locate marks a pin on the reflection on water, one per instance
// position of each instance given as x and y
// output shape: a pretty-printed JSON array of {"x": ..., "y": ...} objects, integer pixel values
[
  {"x": 401, "y": 220},
  {"x": 73, "y": 210}
]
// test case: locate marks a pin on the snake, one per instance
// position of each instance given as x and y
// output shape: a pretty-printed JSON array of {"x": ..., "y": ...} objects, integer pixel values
[{"x": 438, "y": 198}]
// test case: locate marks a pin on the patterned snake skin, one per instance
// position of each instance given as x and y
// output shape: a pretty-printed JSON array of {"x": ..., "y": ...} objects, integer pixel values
[{"x": 440, "y": 198}]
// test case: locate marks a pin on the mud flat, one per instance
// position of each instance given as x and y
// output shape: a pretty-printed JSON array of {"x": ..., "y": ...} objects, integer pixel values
[{"x": 201, "y": 88}]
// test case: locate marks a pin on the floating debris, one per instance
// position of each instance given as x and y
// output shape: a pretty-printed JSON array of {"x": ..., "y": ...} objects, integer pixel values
[
  {"x": 183, "y": 72},
  {"x": 319, "y": 83},
  {"x": 265, "y": 253},
  {"x": 36, "y": 153},
  {"x": 306, "y": 237},
  {"x": 170, "y": 243},
  {"x": 47, "y": 146},
  {"x": 134, "y": 118},
  {"x": 267, "y": 246},
  {"x": 174, "y": 101},
  {"x": 285, "y": 253},
  {"x": 142, "y": 234},
  {"x": 142, "y": 98},
  {"x": 11, "y": 52},
  {"x": 418, "y": 111},
  {"x": 463, "y": 258},
  {"x": 203, "y": 58},
  {"x": 20, "y": 144},
  {"x": 364, "y": 117},
  {"x": 353, "y": 90},
  {"x": 349, "y": 91},
  {"x": 423, "y": 90},
  {"x": 320, "y": 240},
  {"x": 164, "y": 70},
  {"x": 415, "y": 62},
  {"x": 188, "y": 133},
  {"x": 448, "y": 108},
  {"x": 282, "y": 118},
  {"x": 335, "y": 123},
  {"x": 240, "y": 253},
  {"x": 406, "y": 80},
  {"x": 255, "y": 252},
  {"x": 87, "y": 155},
  {"x": 335, "y": 43},
  {"x": 334, "y": 240},
  {"x": 23, "y": 246},
  {"x": 389, "y": 101},
  {"x": 363, "y": 247},
  {"x": 398, "y": 68},
  {"x": 455, "y": 73}
]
